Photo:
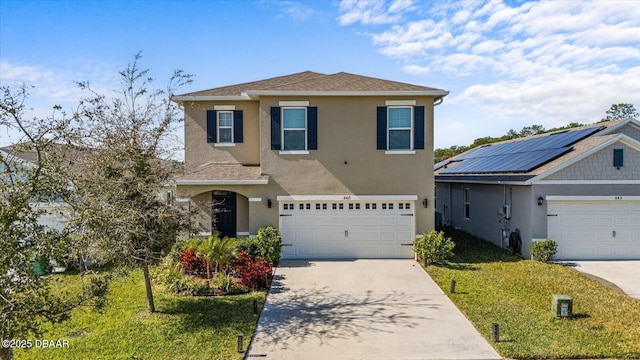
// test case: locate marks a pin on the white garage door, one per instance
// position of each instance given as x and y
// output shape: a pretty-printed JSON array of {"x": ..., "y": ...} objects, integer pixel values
[
  {"x": 347, "y": 229},
  {"x": 595, "y": 229}
]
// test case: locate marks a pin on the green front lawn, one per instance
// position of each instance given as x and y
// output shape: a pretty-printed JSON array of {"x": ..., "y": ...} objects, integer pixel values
[
  {"x": 494, "y": 286},
  {"x": 183, "y": 328}
]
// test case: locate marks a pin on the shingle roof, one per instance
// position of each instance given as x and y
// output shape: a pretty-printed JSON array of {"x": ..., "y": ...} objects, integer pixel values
[
  {"x": 223, "y": 172},
  {"x": 578, "y": 148},
  {"x": 312, "y": 81}
]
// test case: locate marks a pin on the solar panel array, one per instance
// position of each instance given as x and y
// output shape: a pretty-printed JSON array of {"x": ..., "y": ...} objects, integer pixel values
[{"x": 518, "y": 156}]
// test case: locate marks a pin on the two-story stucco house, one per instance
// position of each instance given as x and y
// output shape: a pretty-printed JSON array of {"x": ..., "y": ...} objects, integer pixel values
[{"x": 341, "y": 163}]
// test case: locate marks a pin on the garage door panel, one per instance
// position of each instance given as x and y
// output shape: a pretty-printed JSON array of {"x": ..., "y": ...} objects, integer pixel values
[
  {"x": 361, "y": 229},
  {"x": 595, "y": 229}
]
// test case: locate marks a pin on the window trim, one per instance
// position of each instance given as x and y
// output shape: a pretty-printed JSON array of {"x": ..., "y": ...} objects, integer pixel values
[
  {"x": 411, "y": 149},
  {"x": 306, "y": 130},
  {"x": 218, "y": 127}
]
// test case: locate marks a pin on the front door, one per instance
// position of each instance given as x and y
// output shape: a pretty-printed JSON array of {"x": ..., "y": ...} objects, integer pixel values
[{"x": 223, "y": 219}]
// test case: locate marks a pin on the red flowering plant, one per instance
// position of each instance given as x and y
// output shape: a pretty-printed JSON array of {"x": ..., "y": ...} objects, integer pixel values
[
  {"x": 191, "y": 263},
  {"x": 254, "y": 273}
]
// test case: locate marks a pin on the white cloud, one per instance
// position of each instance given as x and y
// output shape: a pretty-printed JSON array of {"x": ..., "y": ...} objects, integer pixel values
[
  {"x": 372, "y": 11},
  {"x": 550, "y": 62},
  {"x": 295, "y": 11}
]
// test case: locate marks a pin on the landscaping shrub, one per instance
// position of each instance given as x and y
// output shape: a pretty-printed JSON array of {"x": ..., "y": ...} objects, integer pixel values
[
  {"x": 267, "y": 245},
  {"x": 192, "y": 263},
  {"x": 544, "y": 250},
  {"x": 254, "y": 273},
  {"x": 433, "y": 247}
]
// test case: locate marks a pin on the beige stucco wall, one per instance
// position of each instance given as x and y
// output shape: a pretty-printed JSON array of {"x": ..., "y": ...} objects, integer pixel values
[
  {"x": 198, "y": 151},
  {"x": 346, "y": 162}
]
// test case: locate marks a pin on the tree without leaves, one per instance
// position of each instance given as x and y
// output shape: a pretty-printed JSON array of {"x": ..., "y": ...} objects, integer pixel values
[
  {"x": 117, "y": 199},
  {"x": 621, "y": 111},
  {"x": 26, "y": 298}
]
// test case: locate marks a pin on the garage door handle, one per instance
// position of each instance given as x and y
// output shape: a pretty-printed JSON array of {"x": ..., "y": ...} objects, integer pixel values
[
  {"x": 406, "y": 244},
  {"x": 552, "y": 214},
  {"x": 286, "y": 214},
  {"x": 286, "y": 244},
  {"x": 406, "y": 214}
]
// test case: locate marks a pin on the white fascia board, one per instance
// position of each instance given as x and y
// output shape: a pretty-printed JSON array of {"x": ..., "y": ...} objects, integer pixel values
[
  {"x": 210, "y": 98},
  {"x": 257, "y": 93},
  {"x": 588, "y": 182},
  {"x": 346, "y": 197},
  {"x": 592, "y": 198},
  {"x": 222, "y": 182},
  {"x": 620, "y": 137}
]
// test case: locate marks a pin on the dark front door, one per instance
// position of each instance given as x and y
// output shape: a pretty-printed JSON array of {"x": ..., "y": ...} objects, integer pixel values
[{"x": 223, "y": 219}]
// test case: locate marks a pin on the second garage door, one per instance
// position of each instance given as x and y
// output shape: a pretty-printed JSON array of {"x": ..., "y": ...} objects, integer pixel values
[
  {"x": 347, "y": 228},
  {"x": 604, "y": 229}
]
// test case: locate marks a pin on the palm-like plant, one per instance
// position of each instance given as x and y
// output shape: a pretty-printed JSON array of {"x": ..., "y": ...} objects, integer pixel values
[{"x": 217, "y": 253}]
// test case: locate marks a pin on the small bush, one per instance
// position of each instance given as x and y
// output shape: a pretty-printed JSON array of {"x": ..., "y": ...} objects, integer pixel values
[
  {"x": 544, "y": 250},
  {"x": 254, "y": 273},
  {"x": 433, "y": 247},
  {"x": 267, "y": 245},
  {"x": 192, "y": 263}
]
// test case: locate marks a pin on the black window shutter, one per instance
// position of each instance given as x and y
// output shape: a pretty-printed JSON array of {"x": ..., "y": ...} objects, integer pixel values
[
  {"x": 211, "y": 126},
  {"x": 382, "y": 128},
  {"x": 312, "y": 128},
  {"x": 418, "y": 127},
  {"x": 618, "y": 157},
  {"x": 237, "y": 126},
  {"x": 275, "y": 128}
]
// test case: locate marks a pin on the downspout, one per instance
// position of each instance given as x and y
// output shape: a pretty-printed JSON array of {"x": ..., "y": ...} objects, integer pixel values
[{"x": 437, "y": 101}]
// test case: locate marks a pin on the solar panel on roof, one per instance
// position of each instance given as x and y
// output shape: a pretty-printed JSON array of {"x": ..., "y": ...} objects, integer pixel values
[{"x": 518, "y": 156}]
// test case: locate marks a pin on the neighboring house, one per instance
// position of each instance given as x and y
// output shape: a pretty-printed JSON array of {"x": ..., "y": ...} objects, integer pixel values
[
  {"x": 54, "y": 212},
  {"x": 340, "y": 163},
  {"x": 580, "y": 187}
]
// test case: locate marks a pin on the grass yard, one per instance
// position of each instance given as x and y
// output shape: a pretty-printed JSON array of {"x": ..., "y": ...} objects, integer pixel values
[
  {"x": 494, "y": 286},
  {"x": 183, "y": 328}
]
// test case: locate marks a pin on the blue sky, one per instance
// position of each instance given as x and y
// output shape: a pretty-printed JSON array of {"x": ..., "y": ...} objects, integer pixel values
[{"x": 507, "y": 64}]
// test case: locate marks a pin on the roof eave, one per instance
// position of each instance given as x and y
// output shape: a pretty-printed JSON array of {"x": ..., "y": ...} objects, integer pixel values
[
  {"x": 435, "y": 92},
  {"x": 184, "y": 98}
]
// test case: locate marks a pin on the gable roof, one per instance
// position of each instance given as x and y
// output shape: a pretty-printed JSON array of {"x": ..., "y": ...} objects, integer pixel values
[
  {"x": 588, "y": 139},
  {"x": 312, "y": 83}
]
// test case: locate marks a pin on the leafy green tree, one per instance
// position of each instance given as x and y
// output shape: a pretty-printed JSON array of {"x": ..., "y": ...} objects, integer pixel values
[
  {"x": 27, "y": 299},
  {"x": 621, "y": 111},
  {"x": 118, "y": 184}
]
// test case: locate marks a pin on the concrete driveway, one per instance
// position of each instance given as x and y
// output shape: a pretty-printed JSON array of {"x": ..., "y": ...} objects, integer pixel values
[
  {"x": 623, "y": 274},
  {"x": 362, "y": 309}
]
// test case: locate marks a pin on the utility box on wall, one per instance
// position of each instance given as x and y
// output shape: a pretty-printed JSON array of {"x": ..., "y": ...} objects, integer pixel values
[{"x": 562, "y": 306}]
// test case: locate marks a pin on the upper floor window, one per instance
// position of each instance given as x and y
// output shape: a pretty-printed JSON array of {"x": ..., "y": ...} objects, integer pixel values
[
  {"x": 399, "y": 128},
  {"x": 225, "y": 126},
  {"x": 294, "y": 129}
]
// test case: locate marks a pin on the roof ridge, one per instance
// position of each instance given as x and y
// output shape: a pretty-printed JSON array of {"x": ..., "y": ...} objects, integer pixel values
[{"x": 320, "y": 75}]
